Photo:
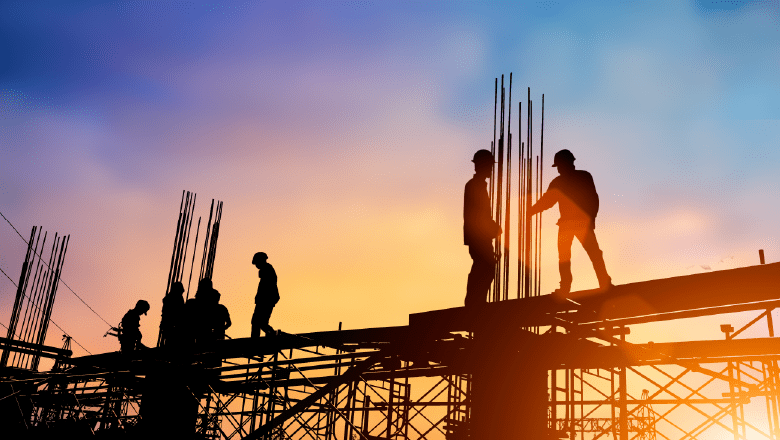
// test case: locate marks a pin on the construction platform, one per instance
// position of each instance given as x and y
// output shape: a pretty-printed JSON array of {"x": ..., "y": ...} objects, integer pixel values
[{"x": 508, "y": 369}]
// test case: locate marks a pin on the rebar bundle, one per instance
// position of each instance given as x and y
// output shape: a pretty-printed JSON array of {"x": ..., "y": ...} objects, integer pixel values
[
  {"x": 181, "y": 244},
  {"x": 35, "y": 295},
  {"x": 529, "y": 190}
]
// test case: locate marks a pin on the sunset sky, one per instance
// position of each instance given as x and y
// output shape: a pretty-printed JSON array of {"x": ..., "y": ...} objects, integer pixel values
[{"x": 339, "y": 136}]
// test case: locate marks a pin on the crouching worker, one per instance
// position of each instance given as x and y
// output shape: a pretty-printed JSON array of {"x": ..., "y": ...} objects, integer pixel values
[{"x": 130, "y": 336}]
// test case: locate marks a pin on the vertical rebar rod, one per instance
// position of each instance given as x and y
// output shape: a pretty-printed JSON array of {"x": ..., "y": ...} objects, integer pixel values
[
  {"x": 175, "y": 240},
  {"x": 541, "y": 188},
  {"x": 34, "y": 303},
  {"x": 493, "y": 147},
  {"x": 34, "y": 300},
  {"x": 214, "y": 237},
  {"x": 178, "y": 245},
  {"x": 187, "y": 240},
  {"x": 534, "y": 225},
  {"x": 507, "y": 224},
  {"x": 192, "y": 264},
  {"x": 531, "y": 267},
  {"x": 180, "y": 236},
  {"x": 52, "y": 294},
  {"x": 32, "y": 291},
  {"x": 206, "y": 241},
  {"x": 20, "y": 288},
  {"x": 17, "y": 301},
  {"x": 529, "y": 152},
  {"x": 23, "y": 280},
  {"x": 520, "y": 204},
  {"x": 499, "y": 198}
]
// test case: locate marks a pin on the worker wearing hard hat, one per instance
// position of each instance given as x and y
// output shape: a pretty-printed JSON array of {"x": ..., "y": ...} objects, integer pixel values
[
  {"x": 267, "y": 296},
  {"x": 575, "y": 193},
  {"x": 130, "y": 336},
  {"x": 479, "y": 230}
]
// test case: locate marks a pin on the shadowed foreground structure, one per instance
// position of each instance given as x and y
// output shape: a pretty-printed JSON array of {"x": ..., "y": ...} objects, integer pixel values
[{"x": 539, "y": 367}]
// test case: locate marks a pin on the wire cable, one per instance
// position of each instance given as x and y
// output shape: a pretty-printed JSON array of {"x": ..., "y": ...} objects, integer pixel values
[
  {"x": 36, "y": 306},
  {"x": 61, "y": 280}
]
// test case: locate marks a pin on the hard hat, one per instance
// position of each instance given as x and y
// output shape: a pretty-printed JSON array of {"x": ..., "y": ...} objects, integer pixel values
[
  {"x": 260, "y": 256},
  {"x": 177, "y": 287},
  {"x": 205, "y": 284},
  {"x": 562, "y": 157},
  {"x": 483, "y": 156},
  {"x": 141, "y": 304}
]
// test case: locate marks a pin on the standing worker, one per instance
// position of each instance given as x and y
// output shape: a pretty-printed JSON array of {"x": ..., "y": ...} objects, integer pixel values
[
  {"x": 479, "y": 230},
  {"x": 575, "y": 193},
  {"x": 130, "y": 336},
  {"x": 172, "y": 313},
  {"x": 220, "y": 316},
  {"x": 267, "y": 296},
  {"x": 197, "y": 311}
]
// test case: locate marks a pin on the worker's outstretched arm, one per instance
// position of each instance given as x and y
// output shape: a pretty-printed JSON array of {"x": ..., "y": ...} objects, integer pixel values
[{"x": 548, "y": 200}]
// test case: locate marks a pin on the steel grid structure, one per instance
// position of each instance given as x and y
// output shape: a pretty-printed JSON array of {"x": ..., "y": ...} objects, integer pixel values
[{"x": 424, "y": 380}]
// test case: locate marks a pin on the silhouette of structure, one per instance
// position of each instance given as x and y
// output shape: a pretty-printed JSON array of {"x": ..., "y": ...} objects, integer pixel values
[
  {"x": 535, "y": 366},
  {"x": 362, "y": 383}
]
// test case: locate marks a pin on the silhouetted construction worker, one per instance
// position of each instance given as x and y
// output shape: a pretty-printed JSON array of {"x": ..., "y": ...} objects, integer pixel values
[
  {"x": 196, "y": 310},
  {"x": 172, "y": 314},
  {"x": 130, "y": 337},
  {"x": 220, "y": 316},
  {"x": 479, "y": 230},
  {"x": 267, "y": 296},
  {"x": 575, "y": 193}
]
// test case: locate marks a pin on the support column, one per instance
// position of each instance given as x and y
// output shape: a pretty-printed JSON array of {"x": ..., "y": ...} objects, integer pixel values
[
  {"x": 623, "y": 397},
  {"x": 509, "y": 395}
]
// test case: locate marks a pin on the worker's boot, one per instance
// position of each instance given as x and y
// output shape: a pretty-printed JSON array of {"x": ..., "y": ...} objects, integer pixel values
[
  {"x": 605, "y": 281},
  {"x": 565, "y": 270}
]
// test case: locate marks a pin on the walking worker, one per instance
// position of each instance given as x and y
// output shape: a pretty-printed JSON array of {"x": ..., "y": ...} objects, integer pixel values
[
  {"x": 575, "y": 193},
  {"x": 479, "y": 230},
  {"x": 130, "y": 337},
  {"x": 267, "y": 296}
]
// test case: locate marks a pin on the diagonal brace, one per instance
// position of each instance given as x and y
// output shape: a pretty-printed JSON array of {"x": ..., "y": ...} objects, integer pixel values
[{"x": 351, "y": 374}]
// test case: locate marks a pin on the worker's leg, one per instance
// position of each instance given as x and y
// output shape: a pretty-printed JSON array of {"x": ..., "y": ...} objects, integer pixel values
[
  {"x": 587, "y": 236},
  {"x": 565, "y": 238},
  {"x": 482, "y": 273},
  {"x": 256, "y": 321},
  {"x": 260, "y": 320}
]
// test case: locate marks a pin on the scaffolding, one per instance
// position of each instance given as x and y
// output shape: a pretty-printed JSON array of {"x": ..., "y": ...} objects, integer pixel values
[{"x": 418, "y": 381}]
